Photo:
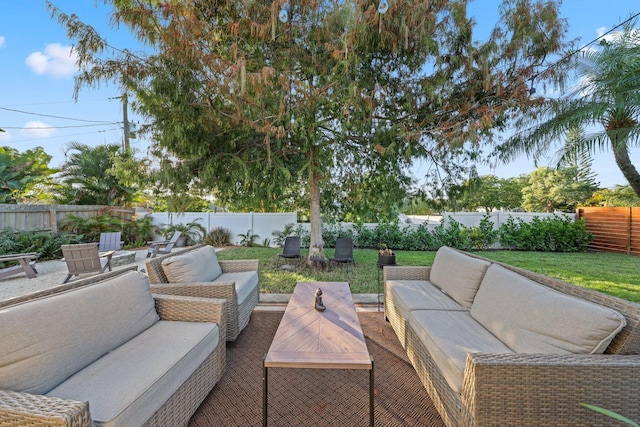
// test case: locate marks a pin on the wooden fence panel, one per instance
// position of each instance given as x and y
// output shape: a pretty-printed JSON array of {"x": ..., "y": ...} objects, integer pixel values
[
  {"x": 49, "y": 217},
  {"x": 615, "y": 229}
]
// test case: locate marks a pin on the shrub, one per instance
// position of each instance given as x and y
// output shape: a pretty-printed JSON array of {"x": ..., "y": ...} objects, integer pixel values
[
  {"x": 91, "y": 227},
  {"x": 553, "y": 234},
  {"x": 218, "y": 237},
  {"x": 46, "y": 244}
]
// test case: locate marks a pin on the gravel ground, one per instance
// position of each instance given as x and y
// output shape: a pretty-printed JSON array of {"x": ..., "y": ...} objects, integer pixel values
[{"x": 50, "y": 273}]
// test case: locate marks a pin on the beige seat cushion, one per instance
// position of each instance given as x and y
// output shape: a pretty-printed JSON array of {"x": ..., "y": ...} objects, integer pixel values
[
  {"x": 449, "y": 336},
  {"x": 245, "y": 282},
  {"x": 127, "y": 386},
  {"x": 410, "y": 295},
  {"x": 532, "y": 318},
  {"x": 44, "y": 341},
  {"x": 457, "y": 274},
  {"x": 200, "y": 265}
]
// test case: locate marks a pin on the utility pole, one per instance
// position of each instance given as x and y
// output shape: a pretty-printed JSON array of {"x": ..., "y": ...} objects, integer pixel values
[{"x": 125, "y": 120}]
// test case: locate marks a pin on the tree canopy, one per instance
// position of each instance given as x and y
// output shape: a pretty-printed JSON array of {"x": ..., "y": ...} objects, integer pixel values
[
  {"x": 22, "y": 173},
  {"x": 341, "y": 95},
  {"x": 605, "y": 104}
]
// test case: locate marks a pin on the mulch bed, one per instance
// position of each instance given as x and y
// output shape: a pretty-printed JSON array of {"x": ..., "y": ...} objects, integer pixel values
[{"x": 316, "y": 397}]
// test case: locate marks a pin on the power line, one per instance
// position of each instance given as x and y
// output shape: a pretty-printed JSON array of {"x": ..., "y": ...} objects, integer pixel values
[
  {"x": 60, "y": 127},
  {"x": 55, "y": 117},
  {"x": 570, "y": 54}
]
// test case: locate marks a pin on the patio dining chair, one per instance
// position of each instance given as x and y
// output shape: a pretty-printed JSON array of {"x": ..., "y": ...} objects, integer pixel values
[
  {"x": 343, "y": 253},
  {"x": 110, "y": 241},
  {"x": 85, "y": 258},
  {"x": 291, "y": 249},
  {"x": 162, "y": 247}
]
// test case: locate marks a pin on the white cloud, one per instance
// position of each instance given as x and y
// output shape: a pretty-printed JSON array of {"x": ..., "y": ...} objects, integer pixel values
[
  {"x": 57, "y": 61},
  {"x": 609, "y": 37},
  {"x": 5, "y": 136},
  {"x": 36, "y": 129},
  {"x": 3, "y": 42}
]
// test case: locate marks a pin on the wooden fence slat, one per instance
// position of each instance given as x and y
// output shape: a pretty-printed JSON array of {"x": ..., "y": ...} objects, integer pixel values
[
  {"x": 615, "y": 229},
  {"x": 48, "y": 217}
]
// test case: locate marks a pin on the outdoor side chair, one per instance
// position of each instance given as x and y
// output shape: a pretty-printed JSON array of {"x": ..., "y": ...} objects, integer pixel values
[
  {"x": 84, "y": 258},
  {"x": 291, "y": 249},
  {"x": 162, "y": 247},
  {"x": 344, "y": 252},
  {"x": 110, "y": 241}
]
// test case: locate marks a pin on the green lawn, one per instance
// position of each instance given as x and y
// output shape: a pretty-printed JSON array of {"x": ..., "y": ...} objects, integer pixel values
[{"x": 614, "y": 274}]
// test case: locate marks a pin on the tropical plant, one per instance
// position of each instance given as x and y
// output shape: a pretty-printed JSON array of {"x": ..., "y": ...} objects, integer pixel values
[
  {"x": 88, "y": 177},
  {"x": 279, "y": 236},
  {"x": 91, "y": 227},
  {"x": 193, "y": 231},
  {"x": 218, "y": 237},
  {"x": 138, "y": 232},
  {"x": 22, "y": 173},
  {"x": 44, "y": 243},
  {"x": 607, "y": 97},
  {"x": 610, "y": 414},
  {"x": 248, "y": 239}
]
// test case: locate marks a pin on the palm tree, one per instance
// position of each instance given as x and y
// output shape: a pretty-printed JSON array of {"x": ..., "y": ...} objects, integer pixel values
[
  {"x": 607, "y": 99},
  {"x": 88, "y": 178}
]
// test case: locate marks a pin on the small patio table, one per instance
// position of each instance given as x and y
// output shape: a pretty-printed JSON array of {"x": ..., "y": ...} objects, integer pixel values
[
  {"x": 25, "y": 265},
  {"x": 312, "y": 339}
]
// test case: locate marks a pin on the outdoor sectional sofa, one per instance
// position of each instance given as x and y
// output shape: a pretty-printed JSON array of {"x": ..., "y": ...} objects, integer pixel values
[
  {"x": 495, "y": 345},
  {"x": 196, "y": 271},
  {"x": 104, "y": 351}
]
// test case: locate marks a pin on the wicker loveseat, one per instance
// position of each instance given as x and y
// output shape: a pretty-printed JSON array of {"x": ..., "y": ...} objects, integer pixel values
[
  {"x": 495, "y": 345},
  {"x": 104, "y": 351},
  {"x": 197, "y": 272}
]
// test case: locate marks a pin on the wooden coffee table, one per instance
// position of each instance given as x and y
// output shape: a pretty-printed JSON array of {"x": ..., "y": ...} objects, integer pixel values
[{"x": 312, "y": 339}]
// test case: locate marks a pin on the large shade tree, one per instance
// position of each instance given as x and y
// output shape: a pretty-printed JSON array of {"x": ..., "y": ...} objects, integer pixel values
[
  {"x": 259, "y": 108},
  {"x": 606, "y": 99}
]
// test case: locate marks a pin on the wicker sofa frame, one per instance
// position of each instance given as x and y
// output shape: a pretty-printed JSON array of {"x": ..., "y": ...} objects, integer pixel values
[
  {"x": 531, "y": 389},
  {"x": 237, "y": 315},
  {"x": 25, "y": 409}
]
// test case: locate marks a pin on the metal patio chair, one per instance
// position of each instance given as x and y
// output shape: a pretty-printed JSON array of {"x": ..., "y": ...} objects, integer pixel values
[
  {"x": 291, "y": 249},
  {"x": 343, "y": 253}
]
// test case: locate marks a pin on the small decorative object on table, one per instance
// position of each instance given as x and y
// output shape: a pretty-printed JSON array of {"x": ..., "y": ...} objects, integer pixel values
[{"x": 318, "y": 304}]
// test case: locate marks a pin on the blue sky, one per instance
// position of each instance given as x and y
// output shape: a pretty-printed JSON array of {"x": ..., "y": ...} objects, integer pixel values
[{"x": 36, "y": 77}]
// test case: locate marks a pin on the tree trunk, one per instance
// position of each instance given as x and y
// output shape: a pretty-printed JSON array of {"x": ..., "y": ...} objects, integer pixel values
[
  {"x": 621, "y": 154},
  {"x": 316, "y": 252}
]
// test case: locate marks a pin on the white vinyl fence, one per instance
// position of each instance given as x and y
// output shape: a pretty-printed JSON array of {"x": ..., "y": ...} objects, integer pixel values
[{"x": 260, "y": 224}]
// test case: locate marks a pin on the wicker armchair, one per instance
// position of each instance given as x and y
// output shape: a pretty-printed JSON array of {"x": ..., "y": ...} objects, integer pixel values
[
  {"x": 238, "y": 315},
  {"x": 531, "y": 389},
  {"x": 26, "y": 409}
]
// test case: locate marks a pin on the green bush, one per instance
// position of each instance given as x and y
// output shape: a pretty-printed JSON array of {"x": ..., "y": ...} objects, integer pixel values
[
  {"x": 46, "y": 244},
  {"x": 218, "y": 237},
  {"x": 137, "y": 233},
  {"x": 91, "y": 227},
  {"x": 553, "y": 234}
]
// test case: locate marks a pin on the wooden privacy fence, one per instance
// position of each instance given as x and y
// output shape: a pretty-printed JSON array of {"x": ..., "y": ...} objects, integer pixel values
[
  {"x": 613, "y": 229},
  {"x": 48, "y": 217}
]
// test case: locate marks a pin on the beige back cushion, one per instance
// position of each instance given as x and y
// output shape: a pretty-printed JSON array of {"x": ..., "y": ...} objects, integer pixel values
[
  {"x": 457, "y": 274},
  {"x": 200, "y": 265},
  {"x": 532, "y": 318},
  {"x": 44, "y": 341}
]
